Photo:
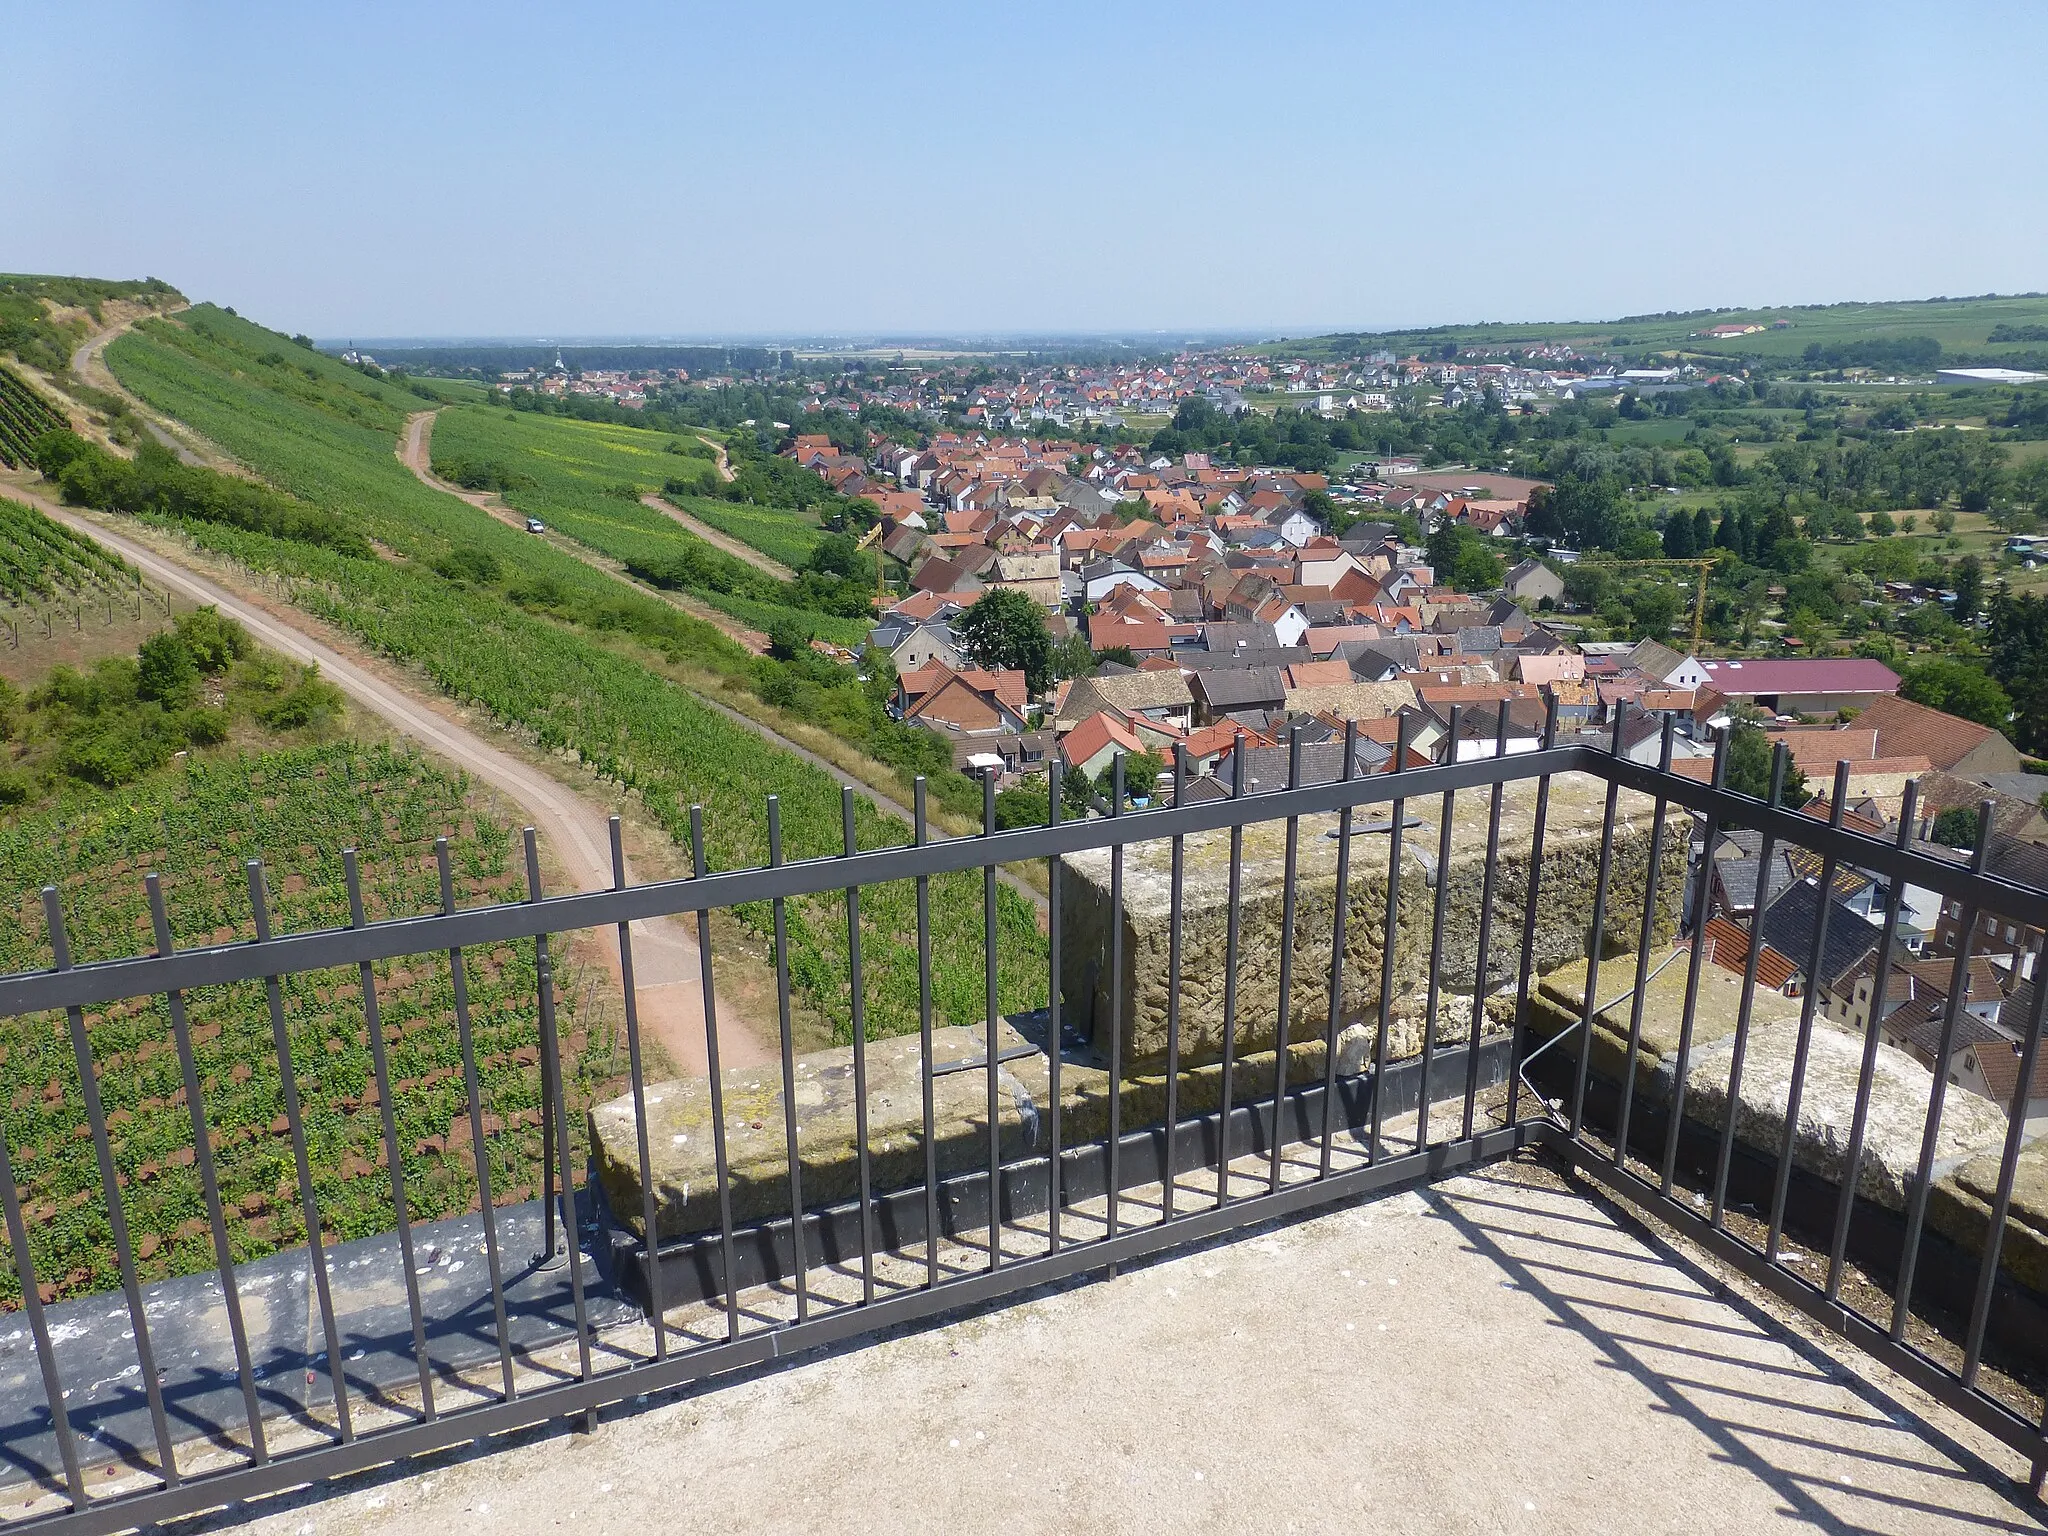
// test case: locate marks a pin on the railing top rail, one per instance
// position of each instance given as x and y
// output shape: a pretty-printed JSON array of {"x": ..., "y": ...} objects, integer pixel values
[{"x": 102, "y": 982}]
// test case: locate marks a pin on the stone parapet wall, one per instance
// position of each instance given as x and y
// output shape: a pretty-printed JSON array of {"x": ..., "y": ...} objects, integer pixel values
[{"x": 1563, "y": 929}]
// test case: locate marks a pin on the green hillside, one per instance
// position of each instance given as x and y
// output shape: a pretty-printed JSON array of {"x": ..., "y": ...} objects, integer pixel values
[
  {"x": 43, "y": 318},
  {"x": 1964, "y": 329}
]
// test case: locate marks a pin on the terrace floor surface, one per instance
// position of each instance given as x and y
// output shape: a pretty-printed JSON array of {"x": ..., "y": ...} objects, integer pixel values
[{"x": 1495, "y": 1352}]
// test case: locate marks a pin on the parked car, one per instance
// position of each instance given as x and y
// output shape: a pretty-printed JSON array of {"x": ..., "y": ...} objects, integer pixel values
[{"x": 535, "y": 525}]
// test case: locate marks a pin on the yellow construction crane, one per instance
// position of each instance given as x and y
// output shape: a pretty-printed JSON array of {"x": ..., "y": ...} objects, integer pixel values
[
  {"x": 872, "y": 539},
  {"x": 1702, "y": 568}
]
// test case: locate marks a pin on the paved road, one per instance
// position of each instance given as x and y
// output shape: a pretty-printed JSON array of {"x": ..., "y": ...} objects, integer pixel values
[{"x": 664, "y": 951}]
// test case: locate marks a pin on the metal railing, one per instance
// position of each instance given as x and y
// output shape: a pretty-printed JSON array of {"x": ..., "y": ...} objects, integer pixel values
[{"x": 522, "y": 1342}]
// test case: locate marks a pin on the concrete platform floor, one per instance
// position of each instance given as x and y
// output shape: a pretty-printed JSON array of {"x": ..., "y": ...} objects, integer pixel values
[{"x": 1493, "y": 1353}]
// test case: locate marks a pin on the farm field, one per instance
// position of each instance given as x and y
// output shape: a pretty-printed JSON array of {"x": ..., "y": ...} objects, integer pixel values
[
  {"x": 195, "y": 827},
  {"x": 780, "y": 533},
  {"x": 586, "y": 479},
  {"x": 543, "y": 648}
]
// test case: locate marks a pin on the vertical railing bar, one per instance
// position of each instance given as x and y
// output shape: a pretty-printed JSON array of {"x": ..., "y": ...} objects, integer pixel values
[
  {"x": 1175, "y": 881},
  {"x": 1526, "y": 971},
  {"x": 1397, "y": 815},
  {"x": 920, "y": 834},
  {"x": 1339, "y": 936},
  {"x": 1803, "y": 1041},
  {"x": 1055, "y": 773},
  {"x": 1866, "y": 1072},
  {"x": 1480, "y": 977},
  {"x": 1286, "y": 1005},
  {"x": 1114, "y": 1152},
  {"x": 556, "y": 1095},
  {"x": 649, "y": 1214},
  {"x": 110, "y": 1187},
  {"x": 1446, "y": 810},
  {"x": 1652, "y": 880},
  {"x": 479, "y": 1151},
  {"x": 1703, "y": 895},
  {"x": 1781, "y": 758},
  {"x": 992, "y": 1012},
  {"x": 859, "y": 1020},
  {"x": 2008, "y": 1173},
  {"x": 1923, "y": 1182},
  {"x": 39, "y": 1330},
  {"x": 1239, "y": 768},
  {"x": 287, "y": 1078},
  {"x": 1596, "y": 940},
  {"x": 209, "y": 1178},
  {"x": 380, "y": 1066}
]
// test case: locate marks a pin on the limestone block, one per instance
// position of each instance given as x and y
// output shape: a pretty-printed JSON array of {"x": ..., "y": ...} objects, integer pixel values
[
  {"x": 1716, "y": 1010},
  {"x": 681, "y": 1153},
  {"x": 1900, "y": 1092},
  {"x": 1563, "y": 928},
  {"x": 1960, "y": 1206}
]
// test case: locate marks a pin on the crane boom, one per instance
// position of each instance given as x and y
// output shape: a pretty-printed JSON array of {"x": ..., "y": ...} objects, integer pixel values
[{"x": 1701, "y": 568}]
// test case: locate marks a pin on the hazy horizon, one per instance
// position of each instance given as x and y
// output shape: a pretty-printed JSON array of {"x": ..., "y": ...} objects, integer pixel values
[{"x": 1149, "y": 170}]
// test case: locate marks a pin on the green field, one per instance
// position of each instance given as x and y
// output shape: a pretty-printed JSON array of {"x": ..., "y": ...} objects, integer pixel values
[
  {"x": 195, "y": 827},
  {"x": 25, "y": 415},
  {"x": 780, "y": 533},
  {"x": 585, "y": 479},
  {"x": 1960, "y": 325},
  {"x": 559, "y": 651}
]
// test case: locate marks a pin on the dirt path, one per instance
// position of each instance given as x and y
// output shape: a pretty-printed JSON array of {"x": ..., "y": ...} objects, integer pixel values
[
  {"x": 724, "y": 464},
  {"x": 664, "y": 951},
  {"x": 717, "y": 540},
  {"x": 415, "y": 452},
  {"x": 90, "y": 366}
]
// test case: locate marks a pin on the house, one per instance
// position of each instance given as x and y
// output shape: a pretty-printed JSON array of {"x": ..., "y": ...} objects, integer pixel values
[
  {"x": 1811, "y": 685},
  {"x": 1231, "y": 691},
  {"x": 918, "y": 646},
  {"x": 2005, "y": 858},
  {"x": 1094, "y": 743},
  {"x": 1161, "y": 696},
  {"x": 1959, "y": 747},
  {"x": 1534, "y": 582},
  {"x": 1102, "y": 577},
  {"x": 1667, "y": 666},
  {"x": 1036, "y": 575},
  {"x": 973, "y": 702}
]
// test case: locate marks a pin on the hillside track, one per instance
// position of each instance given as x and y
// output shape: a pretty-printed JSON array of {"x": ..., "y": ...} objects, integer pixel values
[
  {"x": 665, "y": 955},
  {"x": 414, "y": 451},
  {"x": 717, "y": 540}
]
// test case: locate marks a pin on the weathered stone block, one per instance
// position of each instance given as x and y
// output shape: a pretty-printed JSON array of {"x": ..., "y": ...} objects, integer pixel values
[
  {"x": 1560, "y": 1003},
  {"x": 1960, "y": 1206},
  {"x": 680, "y": 1148},
  {"x": 1900, "y": 1092},
  {"x": 1563, "y": 927}
]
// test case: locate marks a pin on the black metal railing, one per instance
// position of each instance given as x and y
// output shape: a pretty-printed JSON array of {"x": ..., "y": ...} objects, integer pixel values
[{"x": 599, "y": 1314}]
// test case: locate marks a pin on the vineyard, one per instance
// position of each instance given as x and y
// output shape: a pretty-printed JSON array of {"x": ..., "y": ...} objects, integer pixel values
[
  {"x": 553, "y": 652},
  {"x": 195, "y": 828},
  {"x": 586, "y": 479},
  {"x": 24, "y": 416},
  {"x": 780, "y": 533},
  {"x": 50, "y": 575}
]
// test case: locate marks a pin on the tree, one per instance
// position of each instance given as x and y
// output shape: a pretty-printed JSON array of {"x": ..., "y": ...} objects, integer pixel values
[
  {"x": 1077, "y": 793},
  {"x": 1678, "y": 540},
  {"x": 1071, "y": 658},
  {"x": 1957, "y": 688},
  {"x": 1005, "y": 631},
  {"x": 1956, "y": 827},
  {"x": 1749, "y": 767},
  {"x": 1969, "y": 588},
  {"x": 1703, "y": 538},
  {"x": 1461, "y": 559},
  {"x": 1881, "y": 525},
  {"x": 166, "y": 672},
  {"x": 788, "y": 639},
  {"x": 1944, "y": 522}
]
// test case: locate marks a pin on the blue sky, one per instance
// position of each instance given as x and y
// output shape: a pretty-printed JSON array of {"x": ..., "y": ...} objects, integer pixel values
[{"x": 607, "y": 170}]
